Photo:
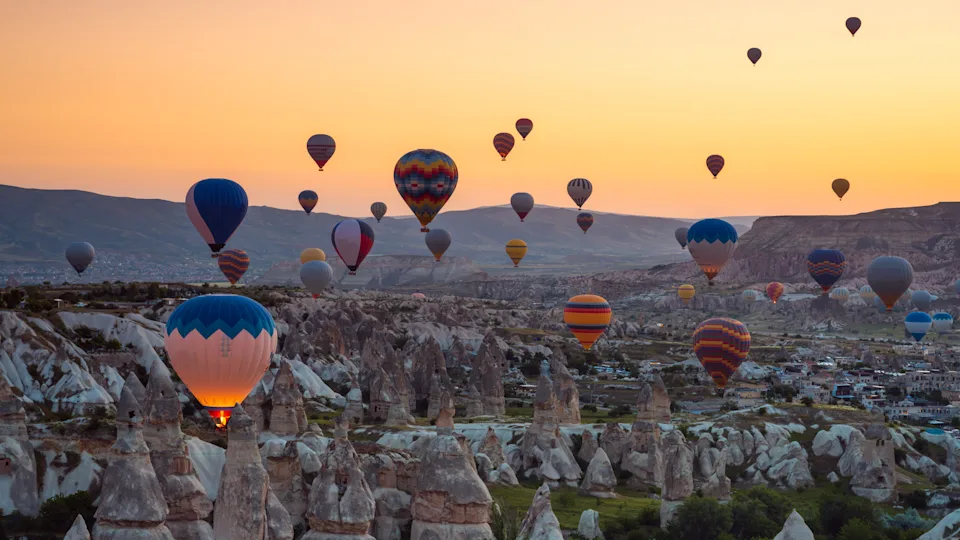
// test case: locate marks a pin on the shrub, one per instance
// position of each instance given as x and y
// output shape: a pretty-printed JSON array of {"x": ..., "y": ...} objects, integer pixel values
[{"x": 699, "y": 518}]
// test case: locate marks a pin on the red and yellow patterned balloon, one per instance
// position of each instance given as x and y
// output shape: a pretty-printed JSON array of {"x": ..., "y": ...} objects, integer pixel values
[
  {"x": 587, "y": 316},
  {"x": 722, "y": 345},
  {"x": 425, "y": 179}
]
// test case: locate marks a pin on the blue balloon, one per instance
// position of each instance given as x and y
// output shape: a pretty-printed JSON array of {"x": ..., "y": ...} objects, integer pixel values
[
  {"x": 826, "y": 266},
  {"x": 918, "y": 324},
  {"x": 216, "y": 207},
  {"x": 711, "y": 230}
]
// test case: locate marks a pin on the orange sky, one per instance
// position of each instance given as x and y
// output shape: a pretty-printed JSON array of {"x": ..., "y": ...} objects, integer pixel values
[{"x": 143, "y": 99}]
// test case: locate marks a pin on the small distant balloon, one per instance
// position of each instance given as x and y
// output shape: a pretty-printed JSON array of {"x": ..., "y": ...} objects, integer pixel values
[
  {"x": 922, "y": 300},
  {"x": 233, "y": 263},
  {"x": 890, "y": 277},
  {"x": 80, "y": 255},
  {"x": 378, "y": 209},
  {"x": 438, "y": 240},
  {"x": 826, "y": 267},
  {"x": 419, "y": 296},
  {"x": 686, "y": 293},
  {"x": 516, "y": 249},
  {"x": 587, "y": 317},
  {"x": 312, "y": 254},
  {"x": 754, "y": 55},
  {"x": 840, "y": 186},
  {"x": 722, "y": 345},
  {"x": 353, "y": 240},
  {"x": 853, "y": 24},
  {"x": 715, "y": 164},
  {"x": 750, "y": 295},
  {"x": 711, "y": 243},
  {"x": 867, "y": 294},
  {"x": 425, "y": 179},
  {"x": 503, "y": 142},
  {"x": 918, "y": 324},
  {"x": 585, "y": 221},
  {"x": 522, "y": 204},
  {"x": 579, "y": 190},
  {"x": 840, "y": 294},
  {"x": 216, "y": 207},
  {"x": 681, "y": 236},
  {"x": 524, "y": 127},
  {"x": 316, "y": 275},
  {"x": 774, "y": 291},
  {"x": 942, "y": 321},
  {"x": 321, "y": 149},
  {"x": 308, "y": 200}
]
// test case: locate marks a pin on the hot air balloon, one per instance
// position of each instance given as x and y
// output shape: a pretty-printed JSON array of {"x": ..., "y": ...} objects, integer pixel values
[
  {"x": 587, "y": 316},
  {"x": 308, "y": 199},
  {"x": 503, "y": 142},
  {"x": 233, "y": 263},
  {"x": 316, "y": 275},
  {"x": 80, "y": 255},
  {"x": 826, "y": 266},
  {"x": 942, "y": 322},
  {"x": 774, "y": 291},
  {"x": 584, "y": 220},
  {"x": 922, "y": 300},
  {"x": 378, "y": 209},
  {"x": 853, "y": 24},
  {"x": 524, "y": 127},
  {"x": 754, "y": 55},
  {"x": 879, "y": 304},
  {"x": 516, "y": 249},
  {"x": 715, "y": 164},
  {"x": 353, "y": 240},
  {"x": 426, "y": 180},
  {"x": 867, "y": 294},
  {"x": 681, "y": 236},
  {"x": 522, "y": 204},
  {"x": 312, "y": 254},
  {"x": 220, "y": 346},
  {"x": 721, "y": 344},
  {"x": 579, "y": 190},
  {"x": 686, "y": 293},
  {"x": 750, "y": 295},
  {"x": 438, "y": 240},
  {"x": 889, "y": 277},
  {"x": 840, "y": 294},
  {"x": 419, "y": 296},
  {"x": 918, "y": 324},
  {"x": 321, "y": 149},
  {"x": 711, "y": 243},
  {"x": 216, "y": 207},
  {"x": 840, "y": 186}
]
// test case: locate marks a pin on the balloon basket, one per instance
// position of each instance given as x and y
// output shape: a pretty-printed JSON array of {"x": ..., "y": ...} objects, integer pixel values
[
  {"x": 424, "y": 229},
  {"x": 220, "y": 416},
  {"x": 351, "y": 273}
]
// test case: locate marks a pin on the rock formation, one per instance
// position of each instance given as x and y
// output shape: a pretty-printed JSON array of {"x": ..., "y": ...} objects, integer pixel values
[
  {"x": 653, "y": 402},
  {"x": 588, "y": 446},
  {"x": 354, "y": 409},
  {"x": 490, "y": 446},
  {"x": 599, "y": 480},
  {"x": 428, "y": 363},
  {"x": 457, "y": 356},
  {"x": 794, "y": 529},
  {"x": 387, "y": 403},
  {"x": 589, "y": 526},
  {"x": 678, "y": 474},
  {"x": 342, "y": 506},
  {"x": 78, "y": 531},
  {"x": 246, "y": 507},
  {"x": 257, "y": 405},
  {"x": 614, "y": 440},
  {"x": 139, "y": 391},
  {"x": 876, "y": 474},
  {"x": 392, "y": 521},
  {"x": 282, "y": 462},
  {"x": 643, "y": 453},
  {"x": 474, "y": 403},
  {"x": 131, "y": 500},
  {"x": 182, "y": 490},
  {"x": 487, "y": 376},
  {"x": 17, "y": 460},
  {"x": 540, "y": 522},
  {"x": 545, "y": 454},
  {"x": 451, "y": 501},
  {"x": 565, "y": 388},
  {"x": 287, "y": 416}
]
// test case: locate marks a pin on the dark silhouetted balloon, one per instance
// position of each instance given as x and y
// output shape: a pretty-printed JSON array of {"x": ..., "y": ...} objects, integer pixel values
[
  {"x": 522, "y": 204},
  {"x": 853, "y": 24},
  {"x": 754, "y": 55},
  {"x": 80, "y": 255},
  {"x": 889, "y": 277},
  {"x": 715, "y": 164}
]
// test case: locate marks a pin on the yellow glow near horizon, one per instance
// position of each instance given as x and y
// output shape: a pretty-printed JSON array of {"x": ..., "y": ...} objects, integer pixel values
[{"x": 143, "y": 99}]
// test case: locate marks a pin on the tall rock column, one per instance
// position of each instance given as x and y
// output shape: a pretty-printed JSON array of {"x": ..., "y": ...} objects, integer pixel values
[
  {"x": 287, "y": 416},
  {"x": 131, "y": 500},
  {"x": 643, "y": 454},
  {"x": 678, "y": 474},
  {"x": 17, "y": 460},
  {"x": 487, "y": 376}
]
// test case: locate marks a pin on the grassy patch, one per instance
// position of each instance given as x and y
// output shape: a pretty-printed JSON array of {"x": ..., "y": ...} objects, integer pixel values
[{"x": 568, "y": 505}]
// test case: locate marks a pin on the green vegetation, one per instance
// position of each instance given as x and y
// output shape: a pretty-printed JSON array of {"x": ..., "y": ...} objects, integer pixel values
[
  {"x": 568, "y": 505},
  {"x": 55, "y": 518}
]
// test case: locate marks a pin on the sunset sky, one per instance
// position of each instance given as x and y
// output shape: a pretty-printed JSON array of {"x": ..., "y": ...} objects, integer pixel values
[{"x": 143, "y": 99}]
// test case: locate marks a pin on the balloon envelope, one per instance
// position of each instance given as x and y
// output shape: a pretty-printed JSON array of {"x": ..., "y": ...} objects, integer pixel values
[
  {"x": 722, "y": 345},
  {"x": 425, "y": 179},
  {"x": 353, "y": 240},
  {"x": 522, "y": 204},
  {"x": 419, "y": 295},
  {"x": 840, "y": 294},
  {"x": 216, "y": 207},
  {"x": 438, "y": 240},
  {"x": 503, "y": 142},
  {"x": 754, "y": 55},
  {"x": 826, "y": 267},
  {"x": 312, "y": 254},
  {"x": 774, "y": 291},
  {"x": 715, "y": 164},
  {"x": 942, "y": 322},
  {"x": 686, "y": 293},
  {"x": 80, "y": 255},
  {"x": 853, "y": 24},
  {"x": 889, "y": 277},
  {"x": 711, "y": 243},
  {"x": 321, "y": 148},
  {"x": 840, "y": 186},
  {"x": 233, "y": 263},
  {"x": 308, "y": 200},
  {"x": 922, "y": 300},
  {"x": 918, "y": 324},
  {"x": 585, "y": 221},
  {"x": 587, "y": 316},
  {"x": 516, "y": 249},
  {"x": 378, "y": 209},
  {"x": 866, "y": 292},
  {"x": 220, "y": 346},
  {"x": 524, "y": 127},
  {"x": 316, "y": 275},
  {"x": 681, "y": 236},
  {"x": 750, "y": 295},
  {"x": 579, "y": 190}
]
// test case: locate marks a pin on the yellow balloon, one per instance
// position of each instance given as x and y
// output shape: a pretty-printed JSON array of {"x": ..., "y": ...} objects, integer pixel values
[
  {"x": 686, "y": 293},
  {"x": 516, "y": 249},
  {"x": 312, "y": 254}
]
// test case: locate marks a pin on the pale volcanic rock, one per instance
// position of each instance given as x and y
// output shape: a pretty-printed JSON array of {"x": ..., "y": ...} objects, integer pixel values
[
  {"x": 18, "y": 487},
  {"x": 474, "y": 403},
  {"x": 588, "y": 446},
  {"x": 257, "y": 402},
  {"x": 139, "y": 391},
  {"x": 599, "y": 480},
  {"x": 565, "y": 388},
  {"x": 678, "y": 474},
  {"x": 354, "y": 410},
  {"x": 614, "y": 441},
  {"x": 794, "y": 529},
  {"x": 589, "y": 526},
  {"x": 491, "y": 447},
  {"x": 392, "y": 521},
  {"x": 287, "y": 415},
  {"x": 487, "y": 376},
  {"x": 653, "y": 403},
  {"x": 282, "y": 462},
  {"x": 541, "y": 523},
  {"x": 544, "y": 452},
  {"x": 428, "y": 363},
  {"x": 433, "y": 407},
  {"x": 78, "y": 531},
  {"x": 876, "y": 476}
]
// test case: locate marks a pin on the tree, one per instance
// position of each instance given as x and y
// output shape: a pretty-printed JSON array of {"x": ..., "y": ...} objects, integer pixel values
[
  {"x": 839, "y": 509},
  {"x": 699, "y": 518},
  {"x": 807, "y": 401},
  {"x": 858, "y": 529},
  {"x": 758, "y": 512}
]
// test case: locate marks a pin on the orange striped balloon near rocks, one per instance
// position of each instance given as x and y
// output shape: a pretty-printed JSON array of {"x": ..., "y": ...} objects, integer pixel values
[
  {"x": 774, "y": 290},
  {"x": 503, "y": 142},
  {"x": 722, "y": 345},
  {"x": 233, "y": 263},
  {"x": 587, "y": 316}
]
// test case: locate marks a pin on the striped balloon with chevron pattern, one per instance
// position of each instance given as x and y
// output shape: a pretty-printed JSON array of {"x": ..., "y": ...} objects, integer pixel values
[
  {"x": 722, "y": 345},
  {"x": 233, "y": 263}
]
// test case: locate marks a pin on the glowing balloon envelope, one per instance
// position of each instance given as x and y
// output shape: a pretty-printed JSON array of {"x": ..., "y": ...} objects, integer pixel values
[
  {"x": 425, "y": 179},
  {"x": 503, "y": 142},
  {"x": 524, "y": 127},
  {"x": 378, "y": 209},
  {"x": 918, "y": 324},
  {"x": 585, "y": 221},
  {"x": 419, "y": 296},
  {"x": 438, "y": 240},
  {"x": 922, "y": 300},
  {"x": 80, "y": 255},
  {"x": 220, "y": 346},
  {"x": 686, "y": 293},
  {"x": 516, "y": 249},
  {"x": 321, "y": 149},
  {"x": 840, "y": 186},
  {"x": 722, "y": 345},
  {"x": 711, "y": 243},
  {"x": 754, "y": 55},
  {"x": 889, "y": 277},
  {"x": 308, "y": 200},
  {"x": 715, "y": 164},
  {"x": 353, "y": 240},
  {"x": 681, "y": 236},
  {"x": 522, "y": 204},
  {"x": 853, "y": 24},
  {"x": 216, "y": 207},
  {"x": 312, "y": 254},
  {"x": 233, "y": 263},
  {"x": 315, "y": 276},
  {"x": 942, "y": 322},
  {"x": 774, "y": 291},
  {"x": 579, "y": 190},
  {"x": 587, "y": 317},
  {"x": 826, "y": 267}
]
